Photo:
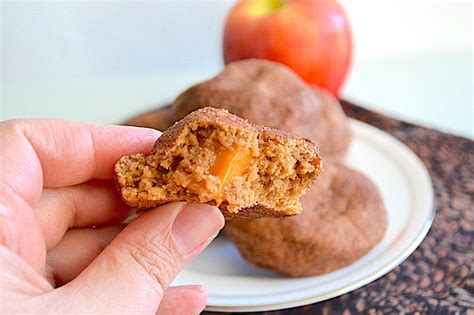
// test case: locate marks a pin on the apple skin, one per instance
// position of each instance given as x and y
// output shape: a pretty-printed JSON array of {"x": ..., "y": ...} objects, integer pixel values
[{"x": 312, "y": 37}]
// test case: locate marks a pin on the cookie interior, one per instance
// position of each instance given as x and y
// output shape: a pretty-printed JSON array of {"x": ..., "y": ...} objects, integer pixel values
[{"x": 230, "y": 167}]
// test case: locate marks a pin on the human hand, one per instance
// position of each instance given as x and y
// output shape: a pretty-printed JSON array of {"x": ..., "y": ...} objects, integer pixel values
[{"x": 56, "y": 186}]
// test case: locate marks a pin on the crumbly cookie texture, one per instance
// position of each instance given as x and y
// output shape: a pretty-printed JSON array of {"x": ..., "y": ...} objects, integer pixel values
[{"x": 214, "y": 157}]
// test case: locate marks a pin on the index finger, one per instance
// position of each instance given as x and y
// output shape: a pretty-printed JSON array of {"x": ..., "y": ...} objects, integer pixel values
[{"x": 55, "y": 153}]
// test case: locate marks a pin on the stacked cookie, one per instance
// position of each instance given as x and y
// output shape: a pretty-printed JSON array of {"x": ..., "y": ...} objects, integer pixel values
[{"x": 343, "y": 213}]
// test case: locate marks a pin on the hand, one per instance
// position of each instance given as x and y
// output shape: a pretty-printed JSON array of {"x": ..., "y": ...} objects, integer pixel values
[{"x": 62, "y": 246}]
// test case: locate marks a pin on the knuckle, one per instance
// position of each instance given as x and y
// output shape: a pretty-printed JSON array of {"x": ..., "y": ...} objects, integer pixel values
[{"x": 156, "y": 257}]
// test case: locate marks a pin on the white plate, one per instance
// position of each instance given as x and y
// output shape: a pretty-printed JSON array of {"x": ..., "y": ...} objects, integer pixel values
[{"x": 235, "y": 285}]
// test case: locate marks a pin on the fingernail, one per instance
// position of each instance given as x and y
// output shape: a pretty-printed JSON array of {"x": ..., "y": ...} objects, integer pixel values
[
  {"x": 195, "y": 224},
  {"x": 198, "y": 289}
]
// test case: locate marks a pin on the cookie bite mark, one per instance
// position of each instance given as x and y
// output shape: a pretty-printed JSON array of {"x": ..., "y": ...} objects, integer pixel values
[{"x": 214, "y": 157}]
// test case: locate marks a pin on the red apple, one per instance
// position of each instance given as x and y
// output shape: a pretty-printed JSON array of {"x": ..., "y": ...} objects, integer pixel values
[{"x": 312, "y": 37}]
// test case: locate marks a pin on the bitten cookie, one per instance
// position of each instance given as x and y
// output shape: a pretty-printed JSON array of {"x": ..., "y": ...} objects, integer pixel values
[
  {"x": 214, "y": 157},
  {"x": 268, "y": 94},
  {"x": 343, "y": 218}
]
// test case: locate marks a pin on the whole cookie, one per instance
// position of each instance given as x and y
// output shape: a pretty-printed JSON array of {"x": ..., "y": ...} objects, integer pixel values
[
  {"x": 343, "y": 218},
  {"x": 269, "y": 94}
]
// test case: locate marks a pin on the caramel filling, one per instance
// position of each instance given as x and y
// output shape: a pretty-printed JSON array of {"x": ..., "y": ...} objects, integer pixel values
[{"x": 228, "y": 164}]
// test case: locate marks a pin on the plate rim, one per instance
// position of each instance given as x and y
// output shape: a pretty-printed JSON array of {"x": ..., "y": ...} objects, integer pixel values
[{"x": 364, "y": 127}]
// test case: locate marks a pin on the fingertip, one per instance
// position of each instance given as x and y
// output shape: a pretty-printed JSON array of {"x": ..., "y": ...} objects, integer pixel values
[
  {"x": 149, "y": 132},
  {"x": 199, "y": 301},
  {"x": 139, "y": 138},
  {"x": 190, "y": 299},
  {"x": 195, "y": 225},
  {"x": 214, "y": 212},
  {"x": 197, "y": 289},
  {"x": 197, "y": 293}
]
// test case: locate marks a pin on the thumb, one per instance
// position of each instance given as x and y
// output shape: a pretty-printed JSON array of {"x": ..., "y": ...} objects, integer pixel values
[{"x": 139, "y": 264}]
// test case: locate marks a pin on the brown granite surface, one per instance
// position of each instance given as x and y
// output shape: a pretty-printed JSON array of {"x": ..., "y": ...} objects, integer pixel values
[{"x": 438, "y": 277}]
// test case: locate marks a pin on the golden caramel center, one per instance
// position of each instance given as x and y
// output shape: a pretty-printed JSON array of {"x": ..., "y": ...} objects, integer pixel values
[{"x": 228, "y": 164}]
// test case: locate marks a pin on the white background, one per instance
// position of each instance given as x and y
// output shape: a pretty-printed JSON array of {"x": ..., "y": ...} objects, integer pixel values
[{"x": 103, "y": 61}]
